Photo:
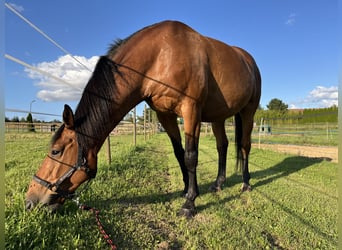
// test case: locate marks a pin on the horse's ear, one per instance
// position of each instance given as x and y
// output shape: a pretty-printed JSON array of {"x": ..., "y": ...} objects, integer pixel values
[{"x": 68, "y": 117}]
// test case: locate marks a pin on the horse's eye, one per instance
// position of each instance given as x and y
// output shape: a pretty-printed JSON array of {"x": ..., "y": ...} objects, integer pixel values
[{"x": 55, "y": 152}]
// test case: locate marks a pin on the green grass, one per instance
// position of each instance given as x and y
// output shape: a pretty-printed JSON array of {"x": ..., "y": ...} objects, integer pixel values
[{"x": 293, "y": 204}]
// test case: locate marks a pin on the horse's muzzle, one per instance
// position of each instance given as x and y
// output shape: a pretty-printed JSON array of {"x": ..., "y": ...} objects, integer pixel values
[{"x": 30, "y": 204}]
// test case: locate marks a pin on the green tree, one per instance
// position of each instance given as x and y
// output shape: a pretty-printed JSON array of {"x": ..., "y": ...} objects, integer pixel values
[
  {"x": 276, "y": 104},
  {"x": 30, "y": 126},
  {"x": 15, "y": 119}
]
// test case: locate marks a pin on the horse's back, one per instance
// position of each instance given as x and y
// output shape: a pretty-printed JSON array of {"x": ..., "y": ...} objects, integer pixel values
[{"x": 195, "y": 69}]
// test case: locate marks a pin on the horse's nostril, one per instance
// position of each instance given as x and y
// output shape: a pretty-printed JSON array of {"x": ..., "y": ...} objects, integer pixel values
[{"x": 29, "y": 204}]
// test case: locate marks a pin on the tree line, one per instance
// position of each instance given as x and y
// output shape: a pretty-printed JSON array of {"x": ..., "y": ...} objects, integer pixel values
[{"x": 278, "y": 112}]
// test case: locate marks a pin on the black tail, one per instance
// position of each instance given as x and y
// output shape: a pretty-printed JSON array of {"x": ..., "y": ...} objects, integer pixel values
[{"x": 238, "y": 140}]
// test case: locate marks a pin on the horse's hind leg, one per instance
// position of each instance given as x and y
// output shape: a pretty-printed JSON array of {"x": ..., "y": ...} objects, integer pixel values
[
  {"x": 169, "y": 122},
  {"x": 222, "y": 146},
  {"x": 245, "y": 120}
]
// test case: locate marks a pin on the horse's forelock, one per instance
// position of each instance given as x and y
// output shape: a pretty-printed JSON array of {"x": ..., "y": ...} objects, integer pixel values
[{"x": 57, "y": 134}]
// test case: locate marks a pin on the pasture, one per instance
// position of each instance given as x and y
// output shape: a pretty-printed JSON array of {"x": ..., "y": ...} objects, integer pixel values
[{"x": 293, "y": 204}]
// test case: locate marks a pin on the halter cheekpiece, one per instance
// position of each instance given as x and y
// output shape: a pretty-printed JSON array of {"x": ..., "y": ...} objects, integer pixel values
[{"x": 81, "y": 164}]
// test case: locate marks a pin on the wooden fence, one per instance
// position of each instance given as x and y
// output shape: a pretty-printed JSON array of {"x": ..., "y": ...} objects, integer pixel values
[
  {"x": 318, "y": 134},
  {"x": 122, "y": 129},
  {"x": 326, "y": 130}
]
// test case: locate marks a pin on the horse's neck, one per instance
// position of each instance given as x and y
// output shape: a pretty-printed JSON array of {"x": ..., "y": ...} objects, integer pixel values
[{"x": 102, "y": 111}]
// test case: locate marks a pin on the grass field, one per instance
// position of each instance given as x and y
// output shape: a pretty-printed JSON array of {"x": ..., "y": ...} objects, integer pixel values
[{"x": 293, "y": 204}]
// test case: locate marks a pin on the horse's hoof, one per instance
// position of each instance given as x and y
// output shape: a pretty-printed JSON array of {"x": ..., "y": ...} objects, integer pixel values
[
  {"x": 246, "y": 188},
  {"x": 187, "y": 213},
  {"x": 214, "y": 188}
]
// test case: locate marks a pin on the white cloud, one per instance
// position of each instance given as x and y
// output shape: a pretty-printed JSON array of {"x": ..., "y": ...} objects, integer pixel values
[
  {"x": 291, "y": 19},
  {"x": 319, "y": 97},
  {"x": 324, "y": 96},
  {"x": 73, "y": 78},
  {"x": 293, "y": 106},
  {"x": 17, "y": 7}
]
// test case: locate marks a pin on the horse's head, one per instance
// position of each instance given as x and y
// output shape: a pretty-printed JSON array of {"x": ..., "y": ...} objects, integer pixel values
[{"x": 66, "y": 166}]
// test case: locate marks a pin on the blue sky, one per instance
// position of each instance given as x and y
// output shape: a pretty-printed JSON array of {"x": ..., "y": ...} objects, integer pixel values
[{"x": 293, "y": 42}]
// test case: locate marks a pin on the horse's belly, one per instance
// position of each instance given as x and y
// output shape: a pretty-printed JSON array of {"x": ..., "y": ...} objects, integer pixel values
[
  {"x": 216, "y": 114},
  {"x": 220, "y": 108}
]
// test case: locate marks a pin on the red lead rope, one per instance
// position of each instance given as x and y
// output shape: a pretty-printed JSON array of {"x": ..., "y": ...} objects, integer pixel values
[{"x": 96, "y": 212}]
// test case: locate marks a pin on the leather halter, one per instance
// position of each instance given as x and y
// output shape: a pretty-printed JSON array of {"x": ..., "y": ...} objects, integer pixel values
[{"x": 81, "y": 164}]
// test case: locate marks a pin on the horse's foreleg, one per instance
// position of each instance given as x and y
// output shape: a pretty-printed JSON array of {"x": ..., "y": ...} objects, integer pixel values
[
  {"x": 222, "y": 146},
  {"x": 169, "y": 122},
  {"x": 192, "y": 130}
]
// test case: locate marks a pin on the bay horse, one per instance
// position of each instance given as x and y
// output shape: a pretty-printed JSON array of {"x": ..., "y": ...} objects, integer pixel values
[{"x": 179, "y": 73}]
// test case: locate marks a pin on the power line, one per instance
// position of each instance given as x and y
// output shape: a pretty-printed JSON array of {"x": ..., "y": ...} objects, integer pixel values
[
  {"x": 44, "y": 35},
  {"x": 27, "y": 112},
  {"x": 12, "y": 58}
]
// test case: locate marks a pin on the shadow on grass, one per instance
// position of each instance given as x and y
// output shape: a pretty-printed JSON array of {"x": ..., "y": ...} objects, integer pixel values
[
  {"x": 282, "y": 169},
  {"x": 265, "y": 176}
]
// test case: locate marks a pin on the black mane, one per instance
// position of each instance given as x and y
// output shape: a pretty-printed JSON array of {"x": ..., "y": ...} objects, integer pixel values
[
  {"x": 113, "y": 48},
  {"x": 96, "y": 99}
]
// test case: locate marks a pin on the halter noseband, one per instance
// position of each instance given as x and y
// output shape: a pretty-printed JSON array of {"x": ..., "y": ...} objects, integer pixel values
[{"x": 81, "y": 164}]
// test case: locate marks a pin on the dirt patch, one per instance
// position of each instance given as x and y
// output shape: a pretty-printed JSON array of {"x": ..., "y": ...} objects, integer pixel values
[{"x": 329, "y": 153}]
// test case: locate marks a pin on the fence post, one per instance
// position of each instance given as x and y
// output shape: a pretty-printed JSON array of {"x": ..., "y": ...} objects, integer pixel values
[
  {"x": 134, "y": 127},
  {"x": 109, "y": 156},
  {"x": 261, "y": 124},
  {"x": 145, "y": 122}
]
